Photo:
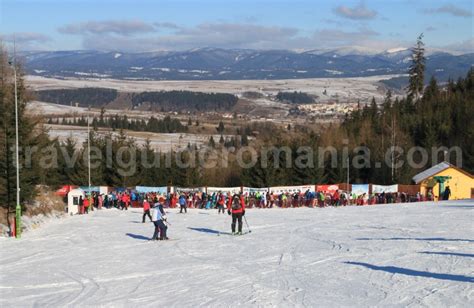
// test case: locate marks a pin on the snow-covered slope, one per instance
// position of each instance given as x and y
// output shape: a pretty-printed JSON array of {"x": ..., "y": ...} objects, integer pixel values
[{"x": 411, "y": 254}]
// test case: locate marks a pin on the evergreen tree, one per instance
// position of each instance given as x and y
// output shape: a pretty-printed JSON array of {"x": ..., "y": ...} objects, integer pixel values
[
  {"x": 417, "y": 69},
  {"x": 212, "y": 143},
  {"x": 220, "y": 127}
]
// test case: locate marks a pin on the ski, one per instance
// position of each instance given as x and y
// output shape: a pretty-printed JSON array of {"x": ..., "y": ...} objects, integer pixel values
[{"x": 228, "y": 233}]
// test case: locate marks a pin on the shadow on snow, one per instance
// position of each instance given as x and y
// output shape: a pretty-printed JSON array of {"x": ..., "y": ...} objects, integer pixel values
[
  {"x": 207, "y": 230},
  {"x": 137, "y": 236},
  {"x": 458, "y": 254},
  {"x": 414, "y": 273},
  {"x": 435, "y": 239}
]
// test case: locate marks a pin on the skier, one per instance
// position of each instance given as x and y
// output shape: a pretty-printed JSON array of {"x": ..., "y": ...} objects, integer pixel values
[
  {"x": 182, "y": 204},
  {"x": 86, "y": 205},
  {"x": 146, "y": 210},
  {"x": 237, "y": 209},
  {"x": 158, "y": 219},
  {"x": 81, "y": 205},
  {"x": 220, "y": 203}
]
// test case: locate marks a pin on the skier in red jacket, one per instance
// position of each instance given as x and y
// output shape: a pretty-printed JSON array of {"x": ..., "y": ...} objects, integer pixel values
[
  {"x": 146, "y": 210},
  {"x": 237, "y": 209}
]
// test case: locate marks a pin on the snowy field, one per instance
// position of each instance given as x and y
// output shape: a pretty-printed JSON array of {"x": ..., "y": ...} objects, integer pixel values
[
  {"x": 355, "y": 88},
  {"x": 158, "y": 141},
  {"x": 397, "y": 255}
]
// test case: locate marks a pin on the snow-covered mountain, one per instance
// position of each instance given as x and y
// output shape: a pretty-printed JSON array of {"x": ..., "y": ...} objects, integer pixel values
[{"x": 229, "y": 64}]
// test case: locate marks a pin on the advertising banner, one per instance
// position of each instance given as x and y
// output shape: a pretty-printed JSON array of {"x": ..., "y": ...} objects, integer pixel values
[
  {"x": 93, "y": 189},
  {"x": 251, "y": 190},
  {"x": 291, "y": 189},
  {"x": 378, "y": 189},
  {"x": 147, "y": 189},
  {"x": 232, "y": 190},
  {"x": 189, "y": 189},
  {"x": 360, "y": 189},
  {"x": 327, "y": 189}
]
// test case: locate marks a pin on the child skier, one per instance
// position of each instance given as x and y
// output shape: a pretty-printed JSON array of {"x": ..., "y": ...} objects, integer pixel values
[
  {"x": 182, "y": 204},
  {"x": 237, "y": 209},
  {"x": 146, "y": 210},
  {"x": 221, "y": 202},
  {"x": 159, "y": 219}
]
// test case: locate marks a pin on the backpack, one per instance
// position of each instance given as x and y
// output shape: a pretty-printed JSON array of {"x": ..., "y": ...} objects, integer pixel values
[{"x": 236, "y": 204}]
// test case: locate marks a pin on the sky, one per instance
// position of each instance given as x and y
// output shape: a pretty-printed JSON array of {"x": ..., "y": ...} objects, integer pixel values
[{"x": 146, "y": 25}]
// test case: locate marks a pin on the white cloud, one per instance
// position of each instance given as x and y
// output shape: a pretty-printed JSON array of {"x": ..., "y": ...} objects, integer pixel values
[
  {"x": 344, "y": 37},
  {"x": 359, "y": 12},
  {"x": 167, "y": 25},
  {"x": 463, "y": 47},
  {"x": 450, "y": 9},
  {"x": 224, "y": 35},
  {"x": 235, "y": 35},
  {"x": 119, "y": 27},
  {"x": 26, "y": 37},
  {"x": 27, "y": 40}
]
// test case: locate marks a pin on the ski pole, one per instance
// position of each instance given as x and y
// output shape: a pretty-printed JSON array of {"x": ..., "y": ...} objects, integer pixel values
[{"x": 248, "y": 227}]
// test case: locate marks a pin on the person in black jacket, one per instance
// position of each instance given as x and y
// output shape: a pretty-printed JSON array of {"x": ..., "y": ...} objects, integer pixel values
[{"x": 447, "y": 193}]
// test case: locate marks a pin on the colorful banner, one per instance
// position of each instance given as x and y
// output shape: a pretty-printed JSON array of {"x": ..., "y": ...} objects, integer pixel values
[
  {"x": 93, "y": 189},
  {"x": 189, "y": 189},
  {"x": 251, "y": 190},
  {"x": 291, "y": 189},
  {"x": 378, "y": 189},
  {"x": 103, "y": 190},
  {"x": 327, "y": 189},
  {"x": 145, "y": 189},
  {"x": 360, "y": 189},
  {"x": 64, "y": 190},
  {"x": 232, "y": 190}
]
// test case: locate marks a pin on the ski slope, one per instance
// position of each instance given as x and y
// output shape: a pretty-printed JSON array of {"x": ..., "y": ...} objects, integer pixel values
[{"x": 412, "y": 254}]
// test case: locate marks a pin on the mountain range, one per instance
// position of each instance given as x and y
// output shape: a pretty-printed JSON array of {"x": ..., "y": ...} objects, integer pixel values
[{"x": 238, "y": 64}]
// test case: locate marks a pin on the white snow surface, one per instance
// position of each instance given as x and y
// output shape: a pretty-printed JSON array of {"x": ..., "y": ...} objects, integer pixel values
[{"x": 384, "y": 255}]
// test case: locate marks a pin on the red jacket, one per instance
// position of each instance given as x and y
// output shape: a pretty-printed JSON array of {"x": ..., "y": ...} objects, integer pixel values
[
  {"x": 222, "y": 200},
  {"x": 146, "y": 205},
  {"x": 242, "y": 206}
]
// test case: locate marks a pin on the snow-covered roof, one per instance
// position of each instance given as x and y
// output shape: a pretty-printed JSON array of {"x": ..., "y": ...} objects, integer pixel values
[{"x": 431, "y": 172}]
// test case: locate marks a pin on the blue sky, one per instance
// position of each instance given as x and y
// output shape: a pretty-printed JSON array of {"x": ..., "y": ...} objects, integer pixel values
[{"x": 292, "y": 24}]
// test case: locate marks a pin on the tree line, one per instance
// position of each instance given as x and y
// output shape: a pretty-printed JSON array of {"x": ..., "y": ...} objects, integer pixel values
[
  {"x": 155, "y": 100},
  {"x": 185, "y": 100},
  {"x": 83, "y": 97},
  {"x": 295, "y": 97},
  {"x": 119, "y": 122}
]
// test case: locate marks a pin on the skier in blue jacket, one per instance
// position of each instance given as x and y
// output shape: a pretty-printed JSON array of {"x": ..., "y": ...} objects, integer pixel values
[
  {"x": 182, "y": 204},
  {"x": 159, "y": 217}
]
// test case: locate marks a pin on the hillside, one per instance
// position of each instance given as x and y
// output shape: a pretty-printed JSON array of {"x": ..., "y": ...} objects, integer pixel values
[{"x": 237, "y": 64}]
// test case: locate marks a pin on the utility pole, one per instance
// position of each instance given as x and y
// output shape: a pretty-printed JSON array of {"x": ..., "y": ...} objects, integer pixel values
[
  {"x": 89, "y": 154},
  {"x": 393, "y": 149},
  {"x": 348, "y": 166},
  {"x": 17, "y": 161}
]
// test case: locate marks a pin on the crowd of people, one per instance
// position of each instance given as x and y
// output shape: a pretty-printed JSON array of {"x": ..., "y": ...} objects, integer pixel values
[{"x": 218, "y": 200}]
